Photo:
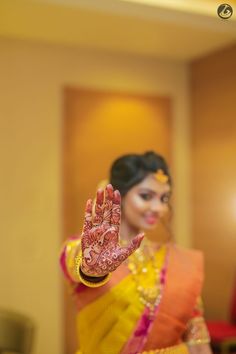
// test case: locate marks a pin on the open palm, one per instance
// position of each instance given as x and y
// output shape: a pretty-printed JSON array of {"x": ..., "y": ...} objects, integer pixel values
[{"x": 101, "y": 251}]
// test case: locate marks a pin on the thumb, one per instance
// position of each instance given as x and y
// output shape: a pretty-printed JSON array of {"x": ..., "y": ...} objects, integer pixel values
[
  {"x": 136, "y": 241},
  {"x": 134, "y": 244},
  {"x": 126, "y": 251}
]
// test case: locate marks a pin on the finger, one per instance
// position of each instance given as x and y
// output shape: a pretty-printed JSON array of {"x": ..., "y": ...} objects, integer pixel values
[
  {"x": 116, "y": 209},
  {"x": 88, "y": 216},
  {"x": 134, "y": 244},
  {"x": 98, "y": 216},
  {"x": 108, "y": 203}
]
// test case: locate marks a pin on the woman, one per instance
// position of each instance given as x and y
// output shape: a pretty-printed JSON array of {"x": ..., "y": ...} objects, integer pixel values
[{"x": 134, "y": 295}]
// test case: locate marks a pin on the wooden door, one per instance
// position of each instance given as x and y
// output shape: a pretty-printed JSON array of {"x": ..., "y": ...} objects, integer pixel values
[{"x": 213, "y": 93}]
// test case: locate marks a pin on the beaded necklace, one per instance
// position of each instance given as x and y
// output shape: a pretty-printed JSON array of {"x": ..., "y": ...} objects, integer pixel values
[{"x": 148, "y": 267}]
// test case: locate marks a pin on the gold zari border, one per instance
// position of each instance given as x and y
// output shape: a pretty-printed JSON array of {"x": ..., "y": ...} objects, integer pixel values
[{"x": 197, "y": 332}]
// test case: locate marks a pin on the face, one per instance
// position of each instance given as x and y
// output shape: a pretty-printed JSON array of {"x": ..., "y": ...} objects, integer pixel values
[{"x": 146, "y": 203}]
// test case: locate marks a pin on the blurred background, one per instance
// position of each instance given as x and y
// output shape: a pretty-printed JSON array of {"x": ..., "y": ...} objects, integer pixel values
[{"x": 83, "y": 81}]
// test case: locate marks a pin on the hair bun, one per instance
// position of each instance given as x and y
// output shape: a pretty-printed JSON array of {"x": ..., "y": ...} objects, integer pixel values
[
  {"x": 129, "y": 170},
  {"x": 149, "y": 153}
]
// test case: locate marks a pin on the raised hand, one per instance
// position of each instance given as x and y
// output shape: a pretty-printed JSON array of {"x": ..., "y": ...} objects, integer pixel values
[{"x": 101, "y": 252}]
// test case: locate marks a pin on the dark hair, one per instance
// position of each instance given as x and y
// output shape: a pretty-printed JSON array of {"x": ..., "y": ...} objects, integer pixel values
[{"x": 129, "y": 170}]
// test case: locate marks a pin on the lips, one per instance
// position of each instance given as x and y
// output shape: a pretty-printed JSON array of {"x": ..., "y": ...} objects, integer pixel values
[{"x": 151, "y": 219}]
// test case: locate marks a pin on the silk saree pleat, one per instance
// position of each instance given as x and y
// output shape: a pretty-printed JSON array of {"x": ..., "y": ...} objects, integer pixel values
[{"x": 105, "y": 324}]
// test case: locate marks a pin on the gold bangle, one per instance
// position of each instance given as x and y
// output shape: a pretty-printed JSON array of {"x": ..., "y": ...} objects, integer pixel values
[
  {"x": 94, "y": 285},
  {"x": 85, "y": 281}
]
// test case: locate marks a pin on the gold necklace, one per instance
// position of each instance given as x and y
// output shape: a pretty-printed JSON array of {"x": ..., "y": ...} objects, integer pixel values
[{"x": 146, "y": 265}]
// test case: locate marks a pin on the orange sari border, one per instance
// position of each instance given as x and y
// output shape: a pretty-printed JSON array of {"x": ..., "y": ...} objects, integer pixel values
[{"x": 183, "y": 287}]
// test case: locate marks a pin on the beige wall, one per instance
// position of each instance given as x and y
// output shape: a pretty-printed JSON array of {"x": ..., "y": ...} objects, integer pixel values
[
  {"x": 32, "y": 78},
  {"x": 213, "y": 92}
]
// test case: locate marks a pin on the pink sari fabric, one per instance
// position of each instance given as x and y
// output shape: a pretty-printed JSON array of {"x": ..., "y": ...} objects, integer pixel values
[{"x": 183, "y": 286}]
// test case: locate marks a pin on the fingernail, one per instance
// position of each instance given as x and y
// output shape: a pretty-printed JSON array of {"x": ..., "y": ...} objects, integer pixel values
[{"x": 117, "y": 197}]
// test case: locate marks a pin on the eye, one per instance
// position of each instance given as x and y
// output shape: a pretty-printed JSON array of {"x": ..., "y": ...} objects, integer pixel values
[
  {"x": 145, "y": 196},
  {"x": 165, "y": 198}
]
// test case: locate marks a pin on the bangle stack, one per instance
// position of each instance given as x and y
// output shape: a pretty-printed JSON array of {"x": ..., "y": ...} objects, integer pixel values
[{"x": 90, "y": 281}]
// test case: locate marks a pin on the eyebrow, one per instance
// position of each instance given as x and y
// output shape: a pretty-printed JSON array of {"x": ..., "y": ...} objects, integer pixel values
[{"x": 143, "y": 189}]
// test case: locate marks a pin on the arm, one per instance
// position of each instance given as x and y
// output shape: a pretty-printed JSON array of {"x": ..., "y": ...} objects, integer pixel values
[
  {"x": 196, "y": 335},
  {"x": 92, "y": 257}
]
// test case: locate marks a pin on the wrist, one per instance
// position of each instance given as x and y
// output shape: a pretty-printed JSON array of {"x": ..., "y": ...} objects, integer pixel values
[
  {"x": 92, "y": 278},
  {"x": 90, "y": 272},
  {"x": 87, "y": 272},
  {"x": 92, "y": 281}
]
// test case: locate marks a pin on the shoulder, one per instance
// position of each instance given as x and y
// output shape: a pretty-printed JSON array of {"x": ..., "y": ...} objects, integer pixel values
[
  {"x": 191, "y": 260},
  {"x": 187, "y": 253},
  {"x": 186, "y": 267}
]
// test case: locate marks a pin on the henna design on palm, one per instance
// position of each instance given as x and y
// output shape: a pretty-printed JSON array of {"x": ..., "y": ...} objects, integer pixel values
[{"x": 101, "y": 251}]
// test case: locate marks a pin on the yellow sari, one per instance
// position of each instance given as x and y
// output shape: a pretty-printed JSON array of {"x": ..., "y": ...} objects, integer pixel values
[{"x": 111, "y": 319}]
